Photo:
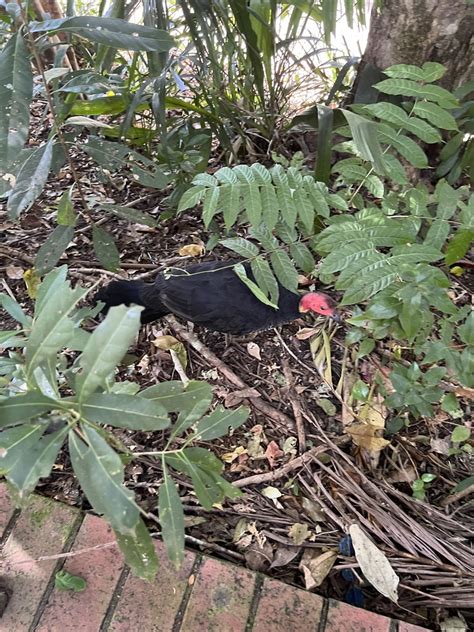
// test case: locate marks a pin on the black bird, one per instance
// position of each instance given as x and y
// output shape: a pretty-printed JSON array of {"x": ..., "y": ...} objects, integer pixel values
[{"x": 212, "y": 295}]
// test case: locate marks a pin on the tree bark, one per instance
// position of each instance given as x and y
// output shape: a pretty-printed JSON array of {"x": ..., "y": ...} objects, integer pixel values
[{"x": 416, "y": 31}]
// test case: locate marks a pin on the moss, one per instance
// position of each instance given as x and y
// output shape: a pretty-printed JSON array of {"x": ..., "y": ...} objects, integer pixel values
[{"x": 39, "y": 516}]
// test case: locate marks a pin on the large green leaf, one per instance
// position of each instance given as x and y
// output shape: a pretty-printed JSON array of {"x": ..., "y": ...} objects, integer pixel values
[
  {"x": 365, "y": 137},
  {"x": 19, "y": 408},
  {"x": 106, "y": 347},
  {"x": 16, "y": 89},
  {"x": 53, "y": 327},
  {"x": 406, "y": 146},
  {"x": 217, "y": 423},
  {"x": 284, "y": 269},
  {"x": 112, "y": 32},
  {"x": 265, "y": 278},
  {"x": 171, "y": 519},
  {"x": 52, "y": 249},
  {"x": 437, "y": 233},
  {"x": 242, "y": 247},
  {"x": 50, "y": 285},
  {"x": 391, "y": 113},
  {"x": 436, "y": 115},
  {"x": 30, "y": 180},
  {"x": 14, "y": 442},
  {"x": 100, "y": 472},
  {"x": 174, "y": 396},
  {"x": 253, "y": 287},
  {"x": 14, "y": 309},
  {"x": 431, "y": 71},
  {"x": 458, "y": 246},
  {"x": 105, "y": 248},
  {"x": 139, "y": 552},
  {"x": 125, "y": 411},
  {"x": 408, "y": 88},
  {"x": 36, "y": 462}
]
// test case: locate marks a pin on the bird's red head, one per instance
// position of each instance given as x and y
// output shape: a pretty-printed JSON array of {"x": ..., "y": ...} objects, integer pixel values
[{"x": 319, "y": 303}]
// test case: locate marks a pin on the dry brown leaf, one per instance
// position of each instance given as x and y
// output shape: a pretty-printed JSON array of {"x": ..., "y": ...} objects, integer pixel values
[
  {"x": 165, "y": 342},
  {"x": 366, "y": 436},
  {"x": 192, "y": 250},
  {"x": 14, "y": 272},
  {"x": 313, "y": 509},
  {"x": 236, "y": 397},
  {"x": 299, "y": 532},
  {"x": 284, "y": 555},
  {"x": 273, "y": 452},
  {"x": 316, "y": 566},
  {"x": 374, "y": 564},
  {"x": 259, "y": 558},
  {"x": 254, "y": 350},
  {"x": 229, "y": 457},
  {"x": 306, "y": 332}
]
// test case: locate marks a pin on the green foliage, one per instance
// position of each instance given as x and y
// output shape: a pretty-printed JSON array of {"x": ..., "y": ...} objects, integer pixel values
[
  {"x": 65, "y": 581},
  {"x": 47, "y": 398}
]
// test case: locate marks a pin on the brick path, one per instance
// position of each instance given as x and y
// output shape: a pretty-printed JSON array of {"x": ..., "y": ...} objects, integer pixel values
[{"x": 206, "y": 595}]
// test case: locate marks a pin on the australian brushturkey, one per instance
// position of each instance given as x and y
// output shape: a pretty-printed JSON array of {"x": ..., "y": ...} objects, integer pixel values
[{"x": 212, "y": 295}]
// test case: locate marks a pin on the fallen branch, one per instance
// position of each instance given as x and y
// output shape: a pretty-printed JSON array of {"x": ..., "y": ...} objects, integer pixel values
[
  {"x": 295, "y": 406},
  {"x": 257, "y": 402}
]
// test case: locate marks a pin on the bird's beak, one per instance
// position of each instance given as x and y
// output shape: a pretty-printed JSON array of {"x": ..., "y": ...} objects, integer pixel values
[{"x": 336, "y": 317}]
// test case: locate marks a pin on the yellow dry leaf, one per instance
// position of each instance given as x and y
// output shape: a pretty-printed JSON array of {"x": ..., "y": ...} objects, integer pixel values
[
  {"x": 166, "y": 342},
  {"x": 367, "y": 436},
  {"x": 298, "y": 533},
  {"x": 229, "y": 457},
  {"x": 32, "y": 280},
  {"x": 191, "y": 250},
  {"x": 316, "y": 567}
]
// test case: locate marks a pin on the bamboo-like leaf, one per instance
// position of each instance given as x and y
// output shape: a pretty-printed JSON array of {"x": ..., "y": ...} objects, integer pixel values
[
  {"x": 364, "y": 133},
  {"x": 265, "y": 278},
  {"x": 30, "y": 180},
  {"x": 139, "y": 552},
  {"x": 105, "y": 248},
  {"x": 100, "y": 472},
  {"x": 16, "y": 89},
  {"x": 171, "y": 517},
  {"x": 242, "y": 247},
  {"x": 325, "y": 128},
  {"x": 130, "y": 214},
  {"x": 14, "y": 442},
  {"x": 106, "y": 347},
  {"x": 53, "y": 248},
  {"x": 112, "y": 32},
  {"x": 284, "y": 269},
  {"x": 217, "y": 423},
  {"x": 125, "y": 411},
  {"x": 20, "y": 408},
  {"x": 49, "y": 286}
]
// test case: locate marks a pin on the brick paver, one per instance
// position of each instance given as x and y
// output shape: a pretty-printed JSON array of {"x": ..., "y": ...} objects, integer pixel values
[
  {"x": 282, "y": 608},
  {"x": 221, "y": 598},
  {"x": 205, "y": 595},
  {"x": 67, "y": 610},
  {"x": 42, "y": 529},
  {"x": 147, "y": 606}
]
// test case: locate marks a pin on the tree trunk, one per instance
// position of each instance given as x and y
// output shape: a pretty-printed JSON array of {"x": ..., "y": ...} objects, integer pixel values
[{"x": 416, "y": 31}]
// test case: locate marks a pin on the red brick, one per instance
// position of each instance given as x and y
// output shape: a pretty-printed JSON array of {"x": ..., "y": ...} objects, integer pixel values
[
  {"x": 42, "y": 529},
  {"x": 220, "y": 600},
  {"x": 6, "y": 508},
  {"x": 410, "y": 627},
  {"x": 282, "y": 608},
  {"x": 152, "y": 607},
  {"x": 101, "y": 568},
  {"x": 344, "y": 618}
]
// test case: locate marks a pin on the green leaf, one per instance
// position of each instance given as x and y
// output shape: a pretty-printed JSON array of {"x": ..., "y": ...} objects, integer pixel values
[
  {"x": 14, "y": 309},
  {"x": 464, "y": 484},
  {"x": 394, "y": 114},
  {"x": 437, "y": 233},
  {"x": 65, "y": 581},
  {"x": 130, "y": 214},
  {"x": 174, "y": 396},
  {"x": 458, "y": 246},
  {"x": 261, "y": 173},
  {"x": 265, "y": 278},
  {"x": 406, "y": 146},
  {"x": 191, "y": 197},
  {"x": 15, "y": 441},
  {"x": 302, "y": 256},
  {"x": 325, "y": 129},
  {"x": 253, "y": 287},
  {"x": 408, "y": 88},
  {"x": 16, "y": 89},
  {"x": 210, "y": 204},
  {"x": 252, "y": 203},
  {"x": 30, "y": 180},
  {"x": 435, "y": 115},
  {"x": 217, "y": 423},
  {"x": 112, "y": 32},
  {"x": 360, "y": 391},
  {"x": 66, "y": 216},
  {"x": 242, "y": 247},
  {"x": 284, "y": 269},
  {"x": 230, "y": 203},
  {"x": 36, "y": 462},
  {"x": 105, "y": 248},
  {"x": 125, "y": 411},
  {"x": 460, "y": 434},
  {"x": 270, "y": 206},
  {"x": 100, "y": 472},
  {"x": 466, "y": 330},
  {"x": 284, "y": 195},
  {"x": 447, "y": 199},
  {"x": 139, "y": 552},
  {"x": 431, "y": 71},
  {"x": 171, "y": 517},
  {"x": 53, "y": 327},
  {"x": 106, "y": 347},
  {"x": 53, "y": 248},
  {"x": 364, "y": 133},
  {"x": 374, "y": 185}
]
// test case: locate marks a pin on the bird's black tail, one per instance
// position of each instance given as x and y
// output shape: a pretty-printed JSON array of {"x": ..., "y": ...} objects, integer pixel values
[{"x": 131, "y": 292}]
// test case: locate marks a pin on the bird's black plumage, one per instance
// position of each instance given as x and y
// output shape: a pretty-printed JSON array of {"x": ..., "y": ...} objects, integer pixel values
[{"x": 208, "y": 294}]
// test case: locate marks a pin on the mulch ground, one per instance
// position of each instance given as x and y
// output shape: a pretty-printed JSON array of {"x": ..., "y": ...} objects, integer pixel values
[{"x": 287, "y": 517}]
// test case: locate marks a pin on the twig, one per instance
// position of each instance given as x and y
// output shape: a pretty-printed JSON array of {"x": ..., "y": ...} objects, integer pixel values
[
  {"x": 179, "y": 367},
  {"x": 257, "y": 402},
  {"x": 281, "y": 471},
  {"x": 295, "y": 406}
]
